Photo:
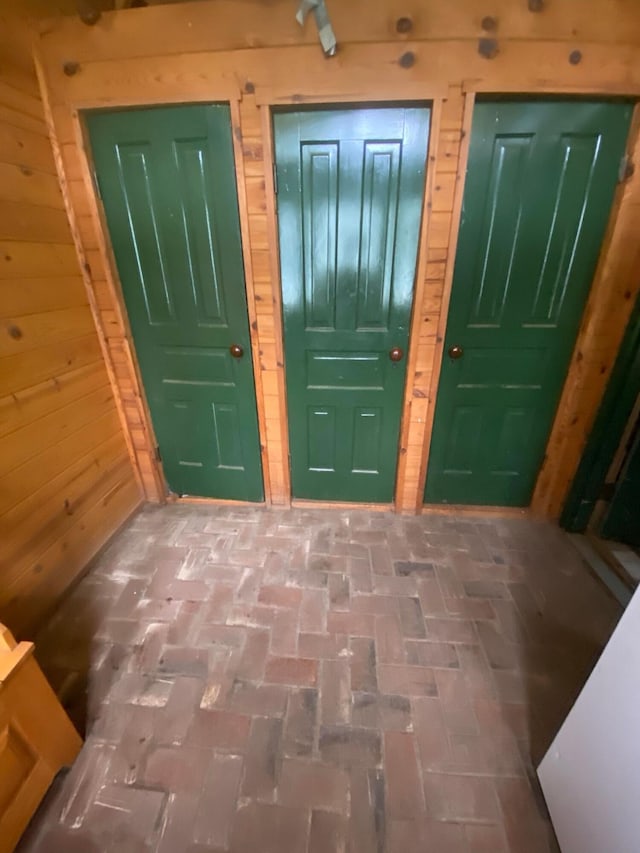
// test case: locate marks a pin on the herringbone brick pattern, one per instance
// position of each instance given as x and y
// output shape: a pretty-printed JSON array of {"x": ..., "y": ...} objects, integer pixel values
[{"x": 312, "y": 681}]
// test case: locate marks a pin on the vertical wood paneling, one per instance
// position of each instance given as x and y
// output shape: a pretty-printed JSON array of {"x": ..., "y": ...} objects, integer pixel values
[
  {"x": 428, "y": 328},
  {"x": 414, "y": 409},
  {"x": 248, "y": 194},
  {"x": 271, "y": 341}
]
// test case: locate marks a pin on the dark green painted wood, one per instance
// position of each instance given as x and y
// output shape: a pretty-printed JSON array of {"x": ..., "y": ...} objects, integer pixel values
[
  {"x": 622, "y": 520},
  {"x": 540, "y": 183},
  {"x": 350, "y": 193},
  {"x": 614, "y": 412},
  {"x": 167, "y": 180}
]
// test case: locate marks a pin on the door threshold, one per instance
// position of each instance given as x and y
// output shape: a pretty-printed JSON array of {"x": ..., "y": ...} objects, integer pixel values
[
  {"x": 470, "y": 509},
  {"x": 624, "y": 561},
  {"x": 601, "y": 567},
  {"x": 187, "y": 499},
  {"x": 305, "y": 503}
]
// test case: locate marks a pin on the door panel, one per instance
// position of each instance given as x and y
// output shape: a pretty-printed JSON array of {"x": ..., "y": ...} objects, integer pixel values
[
  {"x": 167, "y": 182},
  {"x": 539, "y": 187},
  {"x": 350, "y": 194}
]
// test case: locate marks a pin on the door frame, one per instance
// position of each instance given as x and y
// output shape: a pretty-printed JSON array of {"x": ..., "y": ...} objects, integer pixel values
[
  {"x": 546, "y": 500},
  {"x": 140, "y": 438},
  {"x": 121, "y": 317},
  {"x": 617, "y": 411},
  {"x": 562, "y": 452},
  {"x": 268, "y": 112},
  {"x": 112, "y": 72},
  {"x": 114, "y": 282}
]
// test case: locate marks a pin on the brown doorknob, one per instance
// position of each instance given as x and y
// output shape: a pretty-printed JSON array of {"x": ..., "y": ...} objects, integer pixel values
[
  {"x": 395, "y": 354},
  {"x": 236, "y": 350},
  {"x": 456, "y": 351}
]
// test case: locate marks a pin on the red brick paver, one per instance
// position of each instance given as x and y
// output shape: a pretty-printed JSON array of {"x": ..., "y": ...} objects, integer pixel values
[{"x": 310, "y": 681}]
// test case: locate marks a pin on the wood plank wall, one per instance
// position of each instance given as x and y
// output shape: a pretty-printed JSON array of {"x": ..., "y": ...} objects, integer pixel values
[
  {"x": 66, "y": 479},
  {"x": 253, "y": 54}
]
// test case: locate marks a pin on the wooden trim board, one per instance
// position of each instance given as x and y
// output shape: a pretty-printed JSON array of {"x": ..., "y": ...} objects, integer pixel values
[
  {"x": 177, "y": 499},
  {"x": 300, "y": 503},
  {"x": 245, "y": 233},
  {"x": 277, "y": 408},
  {"x": 411, "y": 438},
  {"x": 445, "y": 295},
  {"x": 480, "y": 511}
]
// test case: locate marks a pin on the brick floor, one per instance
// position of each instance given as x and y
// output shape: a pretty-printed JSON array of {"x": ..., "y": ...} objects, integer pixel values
[{"x": 311, "y": 681}]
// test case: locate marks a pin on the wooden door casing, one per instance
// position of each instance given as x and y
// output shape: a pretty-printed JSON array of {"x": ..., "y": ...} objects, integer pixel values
[
  {"x": 168, "y": 187},
  {"x": 540, "y": 183}
]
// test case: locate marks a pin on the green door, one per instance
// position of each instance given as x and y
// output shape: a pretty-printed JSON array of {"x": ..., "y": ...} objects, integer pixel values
[
  {"x": 350, "y": 193},
  {"x": 614, "y": 414},
  {"x": 167, "y": 181},
  {"x": 622, "y": 521},
  {"x": 540, "y": 183}
]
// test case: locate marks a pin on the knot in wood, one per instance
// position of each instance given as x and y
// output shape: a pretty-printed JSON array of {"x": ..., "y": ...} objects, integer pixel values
[
  {"x": 89, "y": 14},
  {"x": 404, "y": 25},
  {"x": 489, "y": 23},
  {"x": 488, "y": 48},
  {"x": 407, "y": 60}
]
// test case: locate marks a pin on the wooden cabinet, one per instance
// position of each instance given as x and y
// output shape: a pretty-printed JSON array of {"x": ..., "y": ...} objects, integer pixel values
[{"x": 36, "y": 738}]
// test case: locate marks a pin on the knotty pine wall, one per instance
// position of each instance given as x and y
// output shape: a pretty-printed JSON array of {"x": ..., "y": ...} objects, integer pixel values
[
  {"x": 66, "y": 479},
  {"x": 252, "y": 54}
]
